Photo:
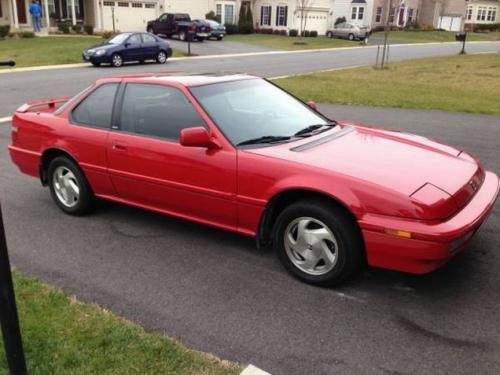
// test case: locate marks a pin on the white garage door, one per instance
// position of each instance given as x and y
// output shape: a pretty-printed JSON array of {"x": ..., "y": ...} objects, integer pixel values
[
  {"x": 450, "y": 23},
  {"x": 316, "y": 21},
  {"x": 129, "y": 16}
]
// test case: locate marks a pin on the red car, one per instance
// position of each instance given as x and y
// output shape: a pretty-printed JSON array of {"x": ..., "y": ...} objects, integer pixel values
[{"x": 238, "y": 153}]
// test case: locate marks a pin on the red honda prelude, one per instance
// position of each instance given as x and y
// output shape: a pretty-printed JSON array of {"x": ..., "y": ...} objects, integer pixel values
[{"x": 239, "y": 153}]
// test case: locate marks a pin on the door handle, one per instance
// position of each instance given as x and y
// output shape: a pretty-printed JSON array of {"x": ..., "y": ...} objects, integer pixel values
[{"x": 119, "y": 147}]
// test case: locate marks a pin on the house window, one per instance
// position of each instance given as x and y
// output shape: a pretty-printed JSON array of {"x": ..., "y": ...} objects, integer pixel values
[
  {"x": 281, "y": 15},
  {"x": 77, "y": 9},
  {"x": 481, "y": 14},
  {"x": 492, "y": 14},
  {"x": 149, "y": 5},
  {"x": 469, "y": 13},
  {"x": 229, "y": 13},
  {"x": 109, "y": 3},
  {"x": 354, "y": 12},
  {"x": 410, "y": 15},
  {"x": 218, "y": 12},
  {"x": 136, "y": 5},
  {"x": 391, "y": 14},
  {"x": 378, "y": 14},
  {"x": 361, "y": 11},
  {"x": 265, "y": 15}
]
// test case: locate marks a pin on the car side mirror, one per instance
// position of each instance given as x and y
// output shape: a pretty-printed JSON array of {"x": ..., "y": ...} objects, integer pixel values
[
  {"x": 197, "y": 137},
  {"x": 312, "y": 104},
  {"x": 127, "y": 44}
]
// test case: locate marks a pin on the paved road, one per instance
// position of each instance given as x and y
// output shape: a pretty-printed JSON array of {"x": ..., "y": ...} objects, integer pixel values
[
  {"x": 17, "y": 88},
  {"x": 215, "y": 292}
]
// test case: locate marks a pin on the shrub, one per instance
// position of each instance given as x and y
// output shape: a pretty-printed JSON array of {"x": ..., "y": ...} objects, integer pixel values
[
  {"x": 231, "y": 28},
  {"x": 77, "y": 28},
  {"x": 427, "y": 28},
  {"x": 276, "y": 32},
  {"x": 212, "y": 16},
  {"x": 283, "y": 32},
  {"x": 27, "y": 34},
  {"x": 340, "y": 20},
  {"x": 63, "y": 27},
  {"x": 306, "y": 33},
  {"x": 245, "y": 28},
  {"x": 293, "y": 32},
  {"x": 4, "y": 30},
  {"x": 313, "y": 34},
  {"x": 488, "y": 27},
  {"x": 107, "y": 34},
  {"x": 89, "y": 29}
]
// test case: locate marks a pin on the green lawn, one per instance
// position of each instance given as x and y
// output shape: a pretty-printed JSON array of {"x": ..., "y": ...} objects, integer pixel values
[
  {"x": 432, "y": 36},
  {"x": 64, "y": 336},
  {"x": 48, "y": 50},
  {"x": 287, "y": 43},
  {"x": 469, "y": 83}
]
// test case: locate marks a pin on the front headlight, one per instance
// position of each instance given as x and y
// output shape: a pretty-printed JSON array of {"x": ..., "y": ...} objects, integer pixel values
[{"x": 100, "y": 52}]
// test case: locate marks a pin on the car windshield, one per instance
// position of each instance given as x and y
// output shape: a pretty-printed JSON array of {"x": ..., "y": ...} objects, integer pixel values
[
  {"x": 254, "y": 109},
  {"x": 118, "y": 39}
]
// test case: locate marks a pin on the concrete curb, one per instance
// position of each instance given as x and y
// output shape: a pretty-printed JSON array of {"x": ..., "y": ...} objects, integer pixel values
[
  {"x": 252, "y": 370},
  {"x": 5, "y": 119},
  {"x": 226, "y": 56}
]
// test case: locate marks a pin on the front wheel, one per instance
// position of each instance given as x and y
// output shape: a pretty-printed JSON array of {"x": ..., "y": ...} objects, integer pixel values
[
  {"x": 329, "y": 34},
  {"x": 69, "y": 187},
  {"x": 318, "y": 242},
  {"x": 151, "y": 30},
  {"x": 116, "y": 60},
  {"x": 219, "y": 38},
  {"x": 351, "y": 37},
  {"x": 161, "y": 58}
]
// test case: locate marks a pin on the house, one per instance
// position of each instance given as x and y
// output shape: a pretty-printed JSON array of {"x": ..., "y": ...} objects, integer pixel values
[
  {"x": 482, "y": 12},
  {"x": 443, "y": 14}
]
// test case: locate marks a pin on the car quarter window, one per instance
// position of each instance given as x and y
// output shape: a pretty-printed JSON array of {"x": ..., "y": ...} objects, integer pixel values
[
  {"x": 148, "y": 38},
  {"x": 157, "y": 111},
  {"x": 96, "y": 109}
]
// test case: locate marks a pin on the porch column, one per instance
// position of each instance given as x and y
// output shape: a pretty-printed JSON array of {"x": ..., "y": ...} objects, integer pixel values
[
  {"x": 73, "y": 13},
  {"x": 14, "y": 14},
  {"x": 47, "y": 15}
]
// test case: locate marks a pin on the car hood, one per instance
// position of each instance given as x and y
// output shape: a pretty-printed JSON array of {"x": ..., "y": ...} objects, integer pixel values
[
  {"x": 101, "y": 46},
  {"x": 438, "y": 178}
]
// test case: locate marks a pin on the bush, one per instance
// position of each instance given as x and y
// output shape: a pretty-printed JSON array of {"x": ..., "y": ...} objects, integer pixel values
[
  {"x": 89, "y": 29},
  {"x": 245, "y": 28},
  {"x": 283, "y": 32},
  {"x": 293, "y": 32},
  {"x": 313, "y": 34},
  {"x": 107, "y": 34},
  {"x": 27, "y": 34},
  {"x": 487, "y": 27},
  {"x": 276, "y": 32},
  {"x": 4, "y": 30},
  {"x": 306, "y": 33},
  {"x": 340, "y": 20},
  {"x": 211, "y": 16},
  {"x": 231, "y": 28},
  {"x": 77, "y": 28},
  {"x": 63, "y": 27}
]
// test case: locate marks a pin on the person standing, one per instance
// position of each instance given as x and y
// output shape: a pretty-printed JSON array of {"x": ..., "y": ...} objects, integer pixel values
[{"x": 36, "y": 15}]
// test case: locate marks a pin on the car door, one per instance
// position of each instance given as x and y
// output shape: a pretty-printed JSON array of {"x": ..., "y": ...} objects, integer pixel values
[
  {"x": 87, "y": 135},
  {"x": 161, "y": 24},
  {"x": 149, "y": 46},
  {"x": 133, "y": 48},
  {"x": 150, "y": 168},
  {"x": 337, "y": 30}
]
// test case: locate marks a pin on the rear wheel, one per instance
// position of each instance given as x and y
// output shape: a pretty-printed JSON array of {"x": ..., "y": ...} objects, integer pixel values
[
  {"x": 161, "y": 58},
  {"x": 318, "y": 242},
  {"x": 329, "y": 34},
  {"x": 351, "y": 37},
  {"x": 151, "y": 30},
  {"x": 69, "y": 187},
  {"x": 220, "y": 37},
  {"x": 116, "y": 60}
]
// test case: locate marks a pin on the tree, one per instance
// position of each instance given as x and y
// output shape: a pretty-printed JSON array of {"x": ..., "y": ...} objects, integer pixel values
[
  {"x": 245, "y": 19},
  {"x": 303, "y": 9}
]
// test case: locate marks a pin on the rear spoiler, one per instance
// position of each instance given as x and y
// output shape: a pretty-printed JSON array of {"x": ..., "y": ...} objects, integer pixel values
[{"x": 50, "y": 104}]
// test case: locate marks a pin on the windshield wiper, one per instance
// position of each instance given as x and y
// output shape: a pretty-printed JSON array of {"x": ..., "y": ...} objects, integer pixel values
[
  {"x": 310, "y": 130},
  {"x": 264, "y": 139}
]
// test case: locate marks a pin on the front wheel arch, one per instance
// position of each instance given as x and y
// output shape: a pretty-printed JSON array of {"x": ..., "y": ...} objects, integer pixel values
[{"x": 285, "y": 198}]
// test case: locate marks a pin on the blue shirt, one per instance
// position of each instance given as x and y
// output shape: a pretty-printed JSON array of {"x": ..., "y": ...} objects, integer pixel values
[{"x": 35, "y": 9}]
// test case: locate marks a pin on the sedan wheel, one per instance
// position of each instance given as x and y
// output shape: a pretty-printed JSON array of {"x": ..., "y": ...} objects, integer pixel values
[
  {"x": 329, "y": 34},
  {"x": 116, "y": 60},
  {"x": 161, "y": 58},
  {"x": 351, "y": 37},
  {"x": 69, "y": 187},
  {"x": 318, "y": 242}
]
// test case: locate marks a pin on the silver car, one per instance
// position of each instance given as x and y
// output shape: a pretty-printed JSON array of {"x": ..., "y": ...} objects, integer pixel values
[{"x": 348, "y": 31}]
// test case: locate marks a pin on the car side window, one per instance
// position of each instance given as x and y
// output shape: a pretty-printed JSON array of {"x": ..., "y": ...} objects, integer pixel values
[
  {"x": 340, "y": 25},
  {"x": 157, "y": 111},
  {"x": 96, "y": 109},
  {"x": 146, "y": 38},
  {"x": 134, "y": 39},
  {"x": 163, "y": 17}
]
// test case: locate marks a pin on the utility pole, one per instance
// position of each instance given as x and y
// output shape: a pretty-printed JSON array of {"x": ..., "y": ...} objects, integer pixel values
[{"x": 8, "y": 311}]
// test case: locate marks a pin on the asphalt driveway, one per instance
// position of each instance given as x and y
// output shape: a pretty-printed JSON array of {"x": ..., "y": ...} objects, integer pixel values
[
  {"x": 215, "y": 47},
  {"x": 215, "y": 292}
]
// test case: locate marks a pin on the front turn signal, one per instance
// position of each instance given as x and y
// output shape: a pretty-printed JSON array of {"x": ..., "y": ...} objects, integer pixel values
[{"x": 398, "y": 233}]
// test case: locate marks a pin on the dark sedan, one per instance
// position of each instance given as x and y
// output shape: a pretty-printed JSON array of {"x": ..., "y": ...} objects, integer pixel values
[
  {"x": 217, "y": 30},
  {"x": 129, "y": 47}
]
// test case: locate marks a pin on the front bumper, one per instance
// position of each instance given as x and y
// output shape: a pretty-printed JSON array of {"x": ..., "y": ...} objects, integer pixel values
[
  {"x": 432, "y": 243},
  {"x": 96, "y": 59}
]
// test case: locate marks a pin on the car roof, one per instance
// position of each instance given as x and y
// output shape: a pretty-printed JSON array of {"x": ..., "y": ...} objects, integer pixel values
[{"x": 188, "y": 80}]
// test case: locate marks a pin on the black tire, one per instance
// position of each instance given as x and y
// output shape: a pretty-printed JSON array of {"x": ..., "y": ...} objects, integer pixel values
[
  {"x": 86, "y": 199},
  {"x": 116, "y": 60},
  {"x": 96, "y": 64},
  {"x": 219, "y": 38},
  {"x": 151, "y": 30},
  {"x": 351, "y": 37},
  {"x": 349, "y": 250},
  {"x": 161, "y": 57},
  {"x": 329, "y": 34}
]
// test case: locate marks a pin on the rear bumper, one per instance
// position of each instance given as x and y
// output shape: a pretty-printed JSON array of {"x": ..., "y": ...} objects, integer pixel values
[
  {"x": 432, "y": 243},
  {"x": 27, "y": 161}
]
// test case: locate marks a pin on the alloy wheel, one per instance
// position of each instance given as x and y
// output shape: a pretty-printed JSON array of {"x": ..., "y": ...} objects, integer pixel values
[{"x": 66, "y": 186}]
